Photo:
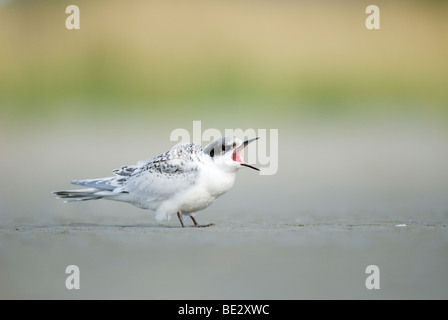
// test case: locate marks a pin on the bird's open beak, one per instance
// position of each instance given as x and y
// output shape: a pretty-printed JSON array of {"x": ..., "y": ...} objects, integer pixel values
[{"x": 236, "y": 156}]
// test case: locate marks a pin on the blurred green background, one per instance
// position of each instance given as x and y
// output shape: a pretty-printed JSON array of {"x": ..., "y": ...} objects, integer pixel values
[{"x": 290, "y": 57}]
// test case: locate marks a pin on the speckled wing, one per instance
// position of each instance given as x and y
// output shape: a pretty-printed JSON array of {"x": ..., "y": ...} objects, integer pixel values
[{"x": 165, "y": 175}]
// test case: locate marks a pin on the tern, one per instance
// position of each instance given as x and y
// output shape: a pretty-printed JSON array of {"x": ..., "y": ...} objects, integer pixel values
[{"x": 182, "y": 181}]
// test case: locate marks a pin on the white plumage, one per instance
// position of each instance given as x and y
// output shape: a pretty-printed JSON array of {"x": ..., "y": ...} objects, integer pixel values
[{"x": 182, "y": 181}]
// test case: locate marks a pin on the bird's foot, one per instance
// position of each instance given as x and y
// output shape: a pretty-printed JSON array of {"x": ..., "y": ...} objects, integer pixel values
[
  {"x": 203, "y": 225},
  {"x": 197, "y": 225}
]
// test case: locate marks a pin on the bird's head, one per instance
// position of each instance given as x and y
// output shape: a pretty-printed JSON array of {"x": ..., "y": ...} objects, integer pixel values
[{"x": 226, "y": 152}]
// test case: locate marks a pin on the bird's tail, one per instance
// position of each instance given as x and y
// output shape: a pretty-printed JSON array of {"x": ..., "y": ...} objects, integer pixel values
[{"x": 79, "y": 195}]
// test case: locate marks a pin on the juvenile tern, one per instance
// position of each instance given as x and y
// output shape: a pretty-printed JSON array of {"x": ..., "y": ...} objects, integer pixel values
[{"x": 182, "y": 181}]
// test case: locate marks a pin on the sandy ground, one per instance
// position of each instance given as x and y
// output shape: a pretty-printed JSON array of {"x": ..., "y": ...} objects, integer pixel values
[
  {"x": 344, "y": 198},
  {"x": 250, "y": 261}
]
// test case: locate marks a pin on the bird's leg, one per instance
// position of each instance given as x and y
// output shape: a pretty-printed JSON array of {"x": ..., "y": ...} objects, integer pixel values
[
  {"x": 179, "y": 215},
  {"x": 197, "y": 225}
]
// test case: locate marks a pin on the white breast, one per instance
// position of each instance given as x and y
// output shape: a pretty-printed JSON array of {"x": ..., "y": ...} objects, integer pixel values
[{"x": 211, "y": 184}]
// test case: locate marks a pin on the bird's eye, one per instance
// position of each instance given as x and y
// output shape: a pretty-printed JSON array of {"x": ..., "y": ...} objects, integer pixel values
[
  {"x": 234, "y": 144},
  {"x": 223, "y": 148},
  {"x": 212, "y": 153}
]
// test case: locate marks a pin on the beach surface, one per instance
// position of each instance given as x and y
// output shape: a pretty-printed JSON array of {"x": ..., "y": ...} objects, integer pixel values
[{"x": 253, "y": 260}]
